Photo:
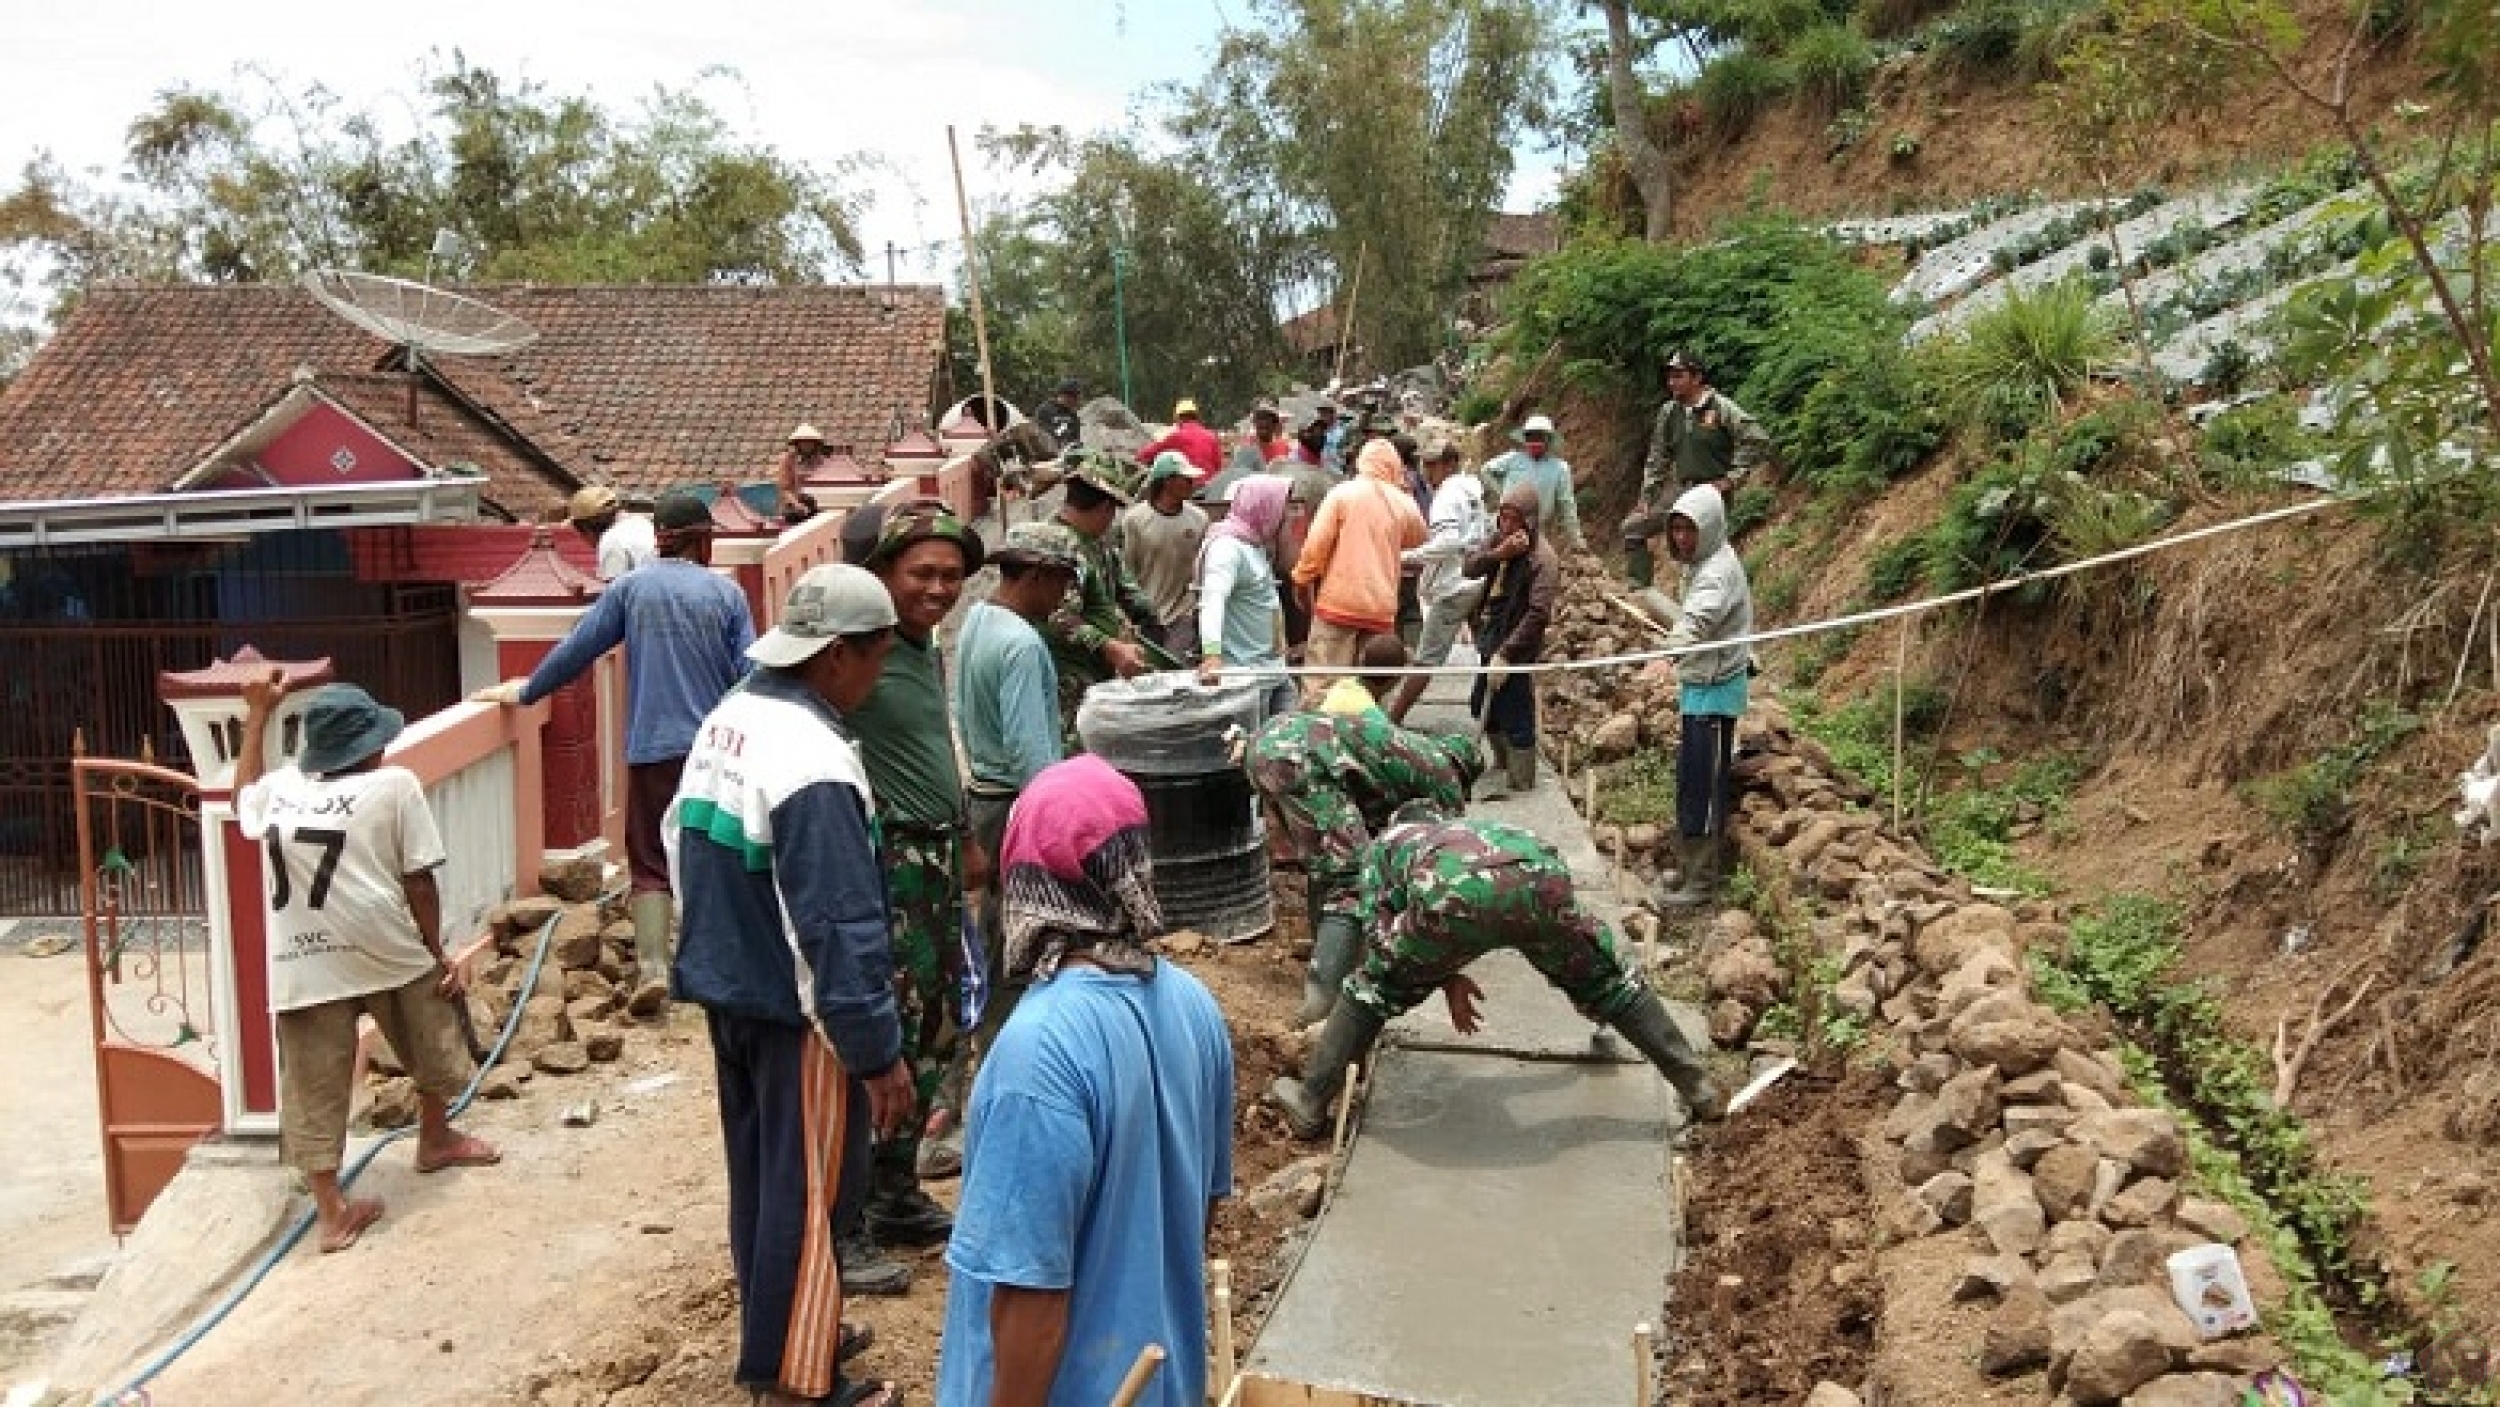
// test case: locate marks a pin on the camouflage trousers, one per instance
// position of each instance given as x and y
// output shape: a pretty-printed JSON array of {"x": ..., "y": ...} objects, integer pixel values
[
  {"x": 1526, "y": 903},
  {"x": 1325, "y": 826},
  {"x": 924, "y": 888}
]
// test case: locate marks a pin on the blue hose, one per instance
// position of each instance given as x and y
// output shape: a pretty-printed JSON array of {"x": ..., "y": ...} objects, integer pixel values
[{"x": 135, "y": 1390}]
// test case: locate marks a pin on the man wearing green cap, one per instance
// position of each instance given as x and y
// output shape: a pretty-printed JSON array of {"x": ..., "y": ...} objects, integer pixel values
[
  {"x": 1095, "y": 632},
  {"x": 922, "y": 553},
  {"x": 1157, "y": 538}
]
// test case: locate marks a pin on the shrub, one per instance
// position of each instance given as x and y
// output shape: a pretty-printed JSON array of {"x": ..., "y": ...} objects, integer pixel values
[
  {"x": 2013, "y": 366},
  {"x": 2248, "y": 444},
  {"x": 1866, "y": 421},
  {"x": 1893, "y": 571},
  {"x": 1979, "y": 40},
  {"x": 1738, "y": 87},
  {"x": 1831, "y": 63}
]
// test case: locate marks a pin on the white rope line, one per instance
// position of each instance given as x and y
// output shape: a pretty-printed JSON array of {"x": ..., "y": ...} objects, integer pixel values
[{"x": 1790, "y": 632}]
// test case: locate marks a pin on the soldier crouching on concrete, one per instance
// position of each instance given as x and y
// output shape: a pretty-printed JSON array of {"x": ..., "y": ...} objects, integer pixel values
[{"x": 1440, "y": 892}]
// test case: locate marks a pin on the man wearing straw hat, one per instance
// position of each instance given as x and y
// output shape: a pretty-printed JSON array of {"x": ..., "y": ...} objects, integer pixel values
[{"x": 623, "y": 540}]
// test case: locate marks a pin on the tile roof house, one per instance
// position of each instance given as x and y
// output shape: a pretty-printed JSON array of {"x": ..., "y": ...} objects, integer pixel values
[
  {"x": 185, "y": 470},
  {"x": 162, "y": 388}
]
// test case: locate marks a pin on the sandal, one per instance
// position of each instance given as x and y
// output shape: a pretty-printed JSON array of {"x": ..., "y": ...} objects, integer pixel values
[
  {"x": 869, "y": 1392},
  {"x": 467, "y": 1152},
  {"x": 362, "y": 1213}
]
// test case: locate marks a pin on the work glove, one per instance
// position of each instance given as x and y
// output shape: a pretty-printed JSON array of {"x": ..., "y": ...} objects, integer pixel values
[{"x": 506, "y": 693}]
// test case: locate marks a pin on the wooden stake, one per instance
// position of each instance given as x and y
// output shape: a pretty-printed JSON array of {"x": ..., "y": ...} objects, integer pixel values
[
  {"x": 1345, "y": 329},
  {"x": 1900, "y": 676},
  {"x": 1221, "y": 1271},
  {"x": 1345, "y": 1110},
  {"x": 1149, "y": 1362},
  {"x": 972, "y": 285},
  {"x": 1591, "y": 808},
  {"x": 1641, "y": 1356}
]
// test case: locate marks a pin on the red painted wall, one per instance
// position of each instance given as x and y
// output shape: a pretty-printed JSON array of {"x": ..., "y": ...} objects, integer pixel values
[{"x": 326, "y": 447}]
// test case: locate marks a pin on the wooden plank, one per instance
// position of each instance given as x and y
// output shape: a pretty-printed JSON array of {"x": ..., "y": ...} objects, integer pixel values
[{"x": 1252, "y": 1390}]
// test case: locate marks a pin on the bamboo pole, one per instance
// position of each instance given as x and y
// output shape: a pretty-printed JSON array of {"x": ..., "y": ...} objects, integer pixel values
[
  {"x": 1642, "y": 1338},
  {"x": 1149, "y": 1362},
  {"x": 972, "y": 283},
  {"x": 1900, "y": 681},
  {"x": 1354, "y": 293},
  {"x": 1226, "y": 1369}
]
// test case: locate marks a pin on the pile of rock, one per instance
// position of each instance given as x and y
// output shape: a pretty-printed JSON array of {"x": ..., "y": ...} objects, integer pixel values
[
  {"x": 575, "y": 1016},
  {"x": 2015, "y": 1130}
]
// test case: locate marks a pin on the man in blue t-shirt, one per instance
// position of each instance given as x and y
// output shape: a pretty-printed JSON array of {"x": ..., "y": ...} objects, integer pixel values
[{"x": 1101, "y": 1128}]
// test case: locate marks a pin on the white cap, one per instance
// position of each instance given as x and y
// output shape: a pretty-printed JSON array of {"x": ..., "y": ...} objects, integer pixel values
[
  {"x": 831, "y": 601},
  {"x": 1539, "y": 425}
]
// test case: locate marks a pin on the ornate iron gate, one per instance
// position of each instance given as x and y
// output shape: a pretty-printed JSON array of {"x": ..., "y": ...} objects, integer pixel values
[{"x": 150, "y": 990}]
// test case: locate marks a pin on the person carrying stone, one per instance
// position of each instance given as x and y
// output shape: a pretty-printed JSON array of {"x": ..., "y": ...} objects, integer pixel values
[
  {"x": 1699, "y": 437},
  {"x": 1094, "y": 635},
  {"x": 1437, "y": 893},
  {"x": 1536, "y": 463},
  {"x": 1330, "y": 780},
  {"x": 1158, "y": 538},
  {"x": 685, "y": 630},
  {"x": 1522, "y": 580},
  {"x": 1711, "y": 689},
  {"x": 921, "y": 553},
  {"x": 622, "y": 540}
]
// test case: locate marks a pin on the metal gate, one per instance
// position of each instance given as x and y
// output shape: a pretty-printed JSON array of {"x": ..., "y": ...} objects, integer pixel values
[{"x": 143, "y": 898}]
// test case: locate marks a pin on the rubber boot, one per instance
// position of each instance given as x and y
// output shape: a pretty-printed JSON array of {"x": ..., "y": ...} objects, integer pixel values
[
  {"x": 1496, "y": 782},
  {"x": 650, "y": 912},
  {"x": 1703, "y": 862},
  {"x": 1335, "y": 942},
  {"x": 900, "y": 1213},
  {"x": 1311, "y": 1102},
  {"x": 1652, "y": 1032},
  {"x": 1639, "y": 567},
  {"x": 1521, "y": 767}
]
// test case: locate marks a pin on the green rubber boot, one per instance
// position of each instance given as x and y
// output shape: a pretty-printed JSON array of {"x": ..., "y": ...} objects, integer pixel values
[
  {"x": 650, "y": 911},
  {"x": 1496, "y": 781},
  {"x": 1310, "y": 1102},
  {"x": 1646, "y": 1024},
  {"x": 1702, "y": 861},
  {"x": 1336, "y": 941}
]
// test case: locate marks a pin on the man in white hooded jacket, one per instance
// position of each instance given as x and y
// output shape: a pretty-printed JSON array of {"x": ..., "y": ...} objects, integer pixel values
[{"x": 1717, "y": 607}]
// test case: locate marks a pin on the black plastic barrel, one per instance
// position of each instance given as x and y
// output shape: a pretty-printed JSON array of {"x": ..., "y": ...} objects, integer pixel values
[{"x": 1173, "y": 737}]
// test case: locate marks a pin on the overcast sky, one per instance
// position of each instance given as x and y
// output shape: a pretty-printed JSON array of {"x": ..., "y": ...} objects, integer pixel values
[{"x": 815, "y": 81}]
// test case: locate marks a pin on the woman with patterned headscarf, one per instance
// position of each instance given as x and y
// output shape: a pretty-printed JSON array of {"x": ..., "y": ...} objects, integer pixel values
[
  {"x": 1237, "y": 601},
  {"x": 1101, "y": 1124}
]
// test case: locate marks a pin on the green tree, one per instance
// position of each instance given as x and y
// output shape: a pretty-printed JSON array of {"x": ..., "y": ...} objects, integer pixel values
[
  {"x": 231, "y": 188},
  {"x": 1384, "y": 130}
]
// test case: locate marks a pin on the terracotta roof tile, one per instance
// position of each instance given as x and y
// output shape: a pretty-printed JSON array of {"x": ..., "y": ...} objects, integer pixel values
[{"x": 640, "y": 386}]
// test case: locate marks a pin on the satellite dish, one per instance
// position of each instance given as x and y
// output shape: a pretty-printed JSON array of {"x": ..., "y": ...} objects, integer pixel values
[{"x": 419, "y": 316}]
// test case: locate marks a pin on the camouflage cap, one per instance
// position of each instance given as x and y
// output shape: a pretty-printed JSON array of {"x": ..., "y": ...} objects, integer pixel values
[
  {"x": 1105, "y": 471},
  {"x": 1042, "y": 544},
  {"x": 922, "y": 520}
]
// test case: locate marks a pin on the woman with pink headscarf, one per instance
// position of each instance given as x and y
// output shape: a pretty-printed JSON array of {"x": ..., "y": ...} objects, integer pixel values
[{"x": 1237, "y": 602}]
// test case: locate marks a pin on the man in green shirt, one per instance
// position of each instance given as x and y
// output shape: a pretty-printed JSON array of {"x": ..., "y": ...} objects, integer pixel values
[
  {"x": 1700, "y": 437},
  {"x": 922, "y": 553}
]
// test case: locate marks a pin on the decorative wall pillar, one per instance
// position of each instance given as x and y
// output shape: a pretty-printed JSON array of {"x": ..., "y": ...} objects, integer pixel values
[
  {"x": 529, "y": 607},
  {"x": 208, "y": 703}
]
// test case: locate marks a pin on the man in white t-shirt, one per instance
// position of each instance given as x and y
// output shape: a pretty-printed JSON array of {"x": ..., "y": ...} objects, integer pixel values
[
  {"x": 350, "y": 850},
  {"x": 623, "y": 540}
]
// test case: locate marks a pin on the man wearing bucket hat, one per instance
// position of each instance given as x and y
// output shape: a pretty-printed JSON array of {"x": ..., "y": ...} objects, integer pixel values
[
  {"x": 1094, "y": 635},
  {"x": 684, "y": 630},
  {"x": 1157, "y": 538},
  {"x": 1538, "y": 464},
  {"x": 1699, "y": 437},
  {"x": 788, "y": 952},
  {"x": 922, "y": 553},
  {"x": 806, "y": 450},
  {"x": 1190, "y": 438},
  {"x": 355, "y": 922},
  {"x": 623, "y": 540}
]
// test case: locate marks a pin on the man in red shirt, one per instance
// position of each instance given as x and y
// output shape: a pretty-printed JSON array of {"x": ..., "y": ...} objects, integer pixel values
[{"x": 1190, "y": 438}]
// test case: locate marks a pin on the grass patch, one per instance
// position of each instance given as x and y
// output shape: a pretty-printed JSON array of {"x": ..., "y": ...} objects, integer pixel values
[{"x": 2313, "y": 802}]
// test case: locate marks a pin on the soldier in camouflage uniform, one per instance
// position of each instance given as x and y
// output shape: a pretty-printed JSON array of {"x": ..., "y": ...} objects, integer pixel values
[
  {"x": 1437, "y": 894},
  {"x": 922, "y": 553},
  {"x": 1094, "y": 635},
  {"x": 1700, "y": 437},
  {"x": 1331, "y": 780}
]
